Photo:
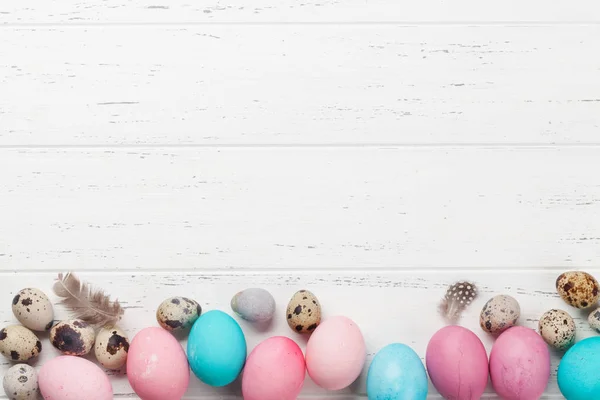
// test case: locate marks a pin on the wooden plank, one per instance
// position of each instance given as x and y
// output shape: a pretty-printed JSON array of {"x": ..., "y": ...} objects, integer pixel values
[
  {"x": 384, "y": 306},
  {"x": 290, "y": 208},
  {"x": 177, "y": 11},
  {"x": 299, "y": 85}
]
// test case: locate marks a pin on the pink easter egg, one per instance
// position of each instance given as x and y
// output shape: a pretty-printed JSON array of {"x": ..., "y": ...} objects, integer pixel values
[
  {"x": 157, "y": 367},
  {"x": 73, "y": 378},
  {"x": 520, "y": 364},
  {"x": 274, "y": 370},
  {"x": 457, "y": 363},
  {"x": 335, "y": 353}
]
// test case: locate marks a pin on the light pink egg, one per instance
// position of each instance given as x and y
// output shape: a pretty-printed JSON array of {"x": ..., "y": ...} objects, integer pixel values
[
  {"x": 457, "y": 363},
  {"x": 157, "y": 367},
  {"x": 520, "y": 364},
  {"x": 73, "y": 378},
  {"x": 335, "y": 353},
  {"x": 274, "y": 370}
]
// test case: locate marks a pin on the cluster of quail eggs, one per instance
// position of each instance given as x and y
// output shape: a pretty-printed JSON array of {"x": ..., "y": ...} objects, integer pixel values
[
  {"x": 255, "y": 305},
  {"x": 557, "y": 327},
  {"x": 19, "y": 344},
  {"x": 579, "y": 290}
]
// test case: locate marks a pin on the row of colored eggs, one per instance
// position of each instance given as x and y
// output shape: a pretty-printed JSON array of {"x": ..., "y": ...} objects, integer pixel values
[
  {"x": 258, "y": 382},
  {"x": 456, "y": 360}
]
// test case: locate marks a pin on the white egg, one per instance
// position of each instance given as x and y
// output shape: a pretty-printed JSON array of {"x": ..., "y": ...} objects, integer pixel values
[
  {"x": 111, "y": 347},
  {"x": 21, "y": 383},
  {"x": 33, "y": 309}
]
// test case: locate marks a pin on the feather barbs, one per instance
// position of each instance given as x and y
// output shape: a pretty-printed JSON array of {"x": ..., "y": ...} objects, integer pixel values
[
  {"x": 89, "y": 304},
  {"x": 457, "y": 298}
]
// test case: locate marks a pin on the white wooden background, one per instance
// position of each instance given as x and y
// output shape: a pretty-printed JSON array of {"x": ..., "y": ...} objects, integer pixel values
[{"x": 372, "y": 152}]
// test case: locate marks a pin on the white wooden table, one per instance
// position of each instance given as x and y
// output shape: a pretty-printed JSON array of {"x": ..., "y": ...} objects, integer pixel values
[{"x": 372, "y": 152}]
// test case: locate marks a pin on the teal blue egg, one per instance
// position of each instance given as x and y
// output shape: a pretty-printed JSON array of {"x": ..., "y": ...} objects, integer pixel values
[
  {"x": 397, "y": 373},
  {"x": 216, "y": 348},
  {"x": 578, "y": 371}
]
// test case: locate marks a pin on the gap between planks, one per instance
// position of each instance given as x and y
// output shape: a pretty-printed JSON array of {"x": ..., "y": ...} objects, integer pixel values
[
  {"x": 304, "y": 271},
  {"x": 408, "y": 24},
  {"x": 458, "y": 145}
]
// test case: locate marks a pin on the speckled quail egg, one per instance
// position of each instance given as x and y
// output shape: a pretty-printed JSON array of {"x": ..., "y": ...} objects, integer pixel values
[
  {"x": 18, "y": 343},
  {"x": 33, "y": 309},
  {"x": 111, "y": 347},
  {"x": 594, "y": 319},
  {"x": 254, "y": 305},
  {"x": 578, "y": 289},
  {"x": 73, "y": 337},
  {"x": 303, "y": 312},
  {"x": 21, "y": 383},
  {"x": 499, "y": 313},
  {"x": 557, "y": 328},
  {"x": 178, "y": 313}
]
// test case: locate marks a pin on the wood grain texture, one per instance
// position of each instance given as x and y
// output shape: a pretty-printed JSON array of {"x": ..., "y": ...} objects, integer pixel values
[
  {"x": 311, "y": 11},
  {"x": 289, "y": 209},
  {"x": 383, "y": 304},
  {"x": 370, "y": 151},
  {"x": 290, "y": 85}
]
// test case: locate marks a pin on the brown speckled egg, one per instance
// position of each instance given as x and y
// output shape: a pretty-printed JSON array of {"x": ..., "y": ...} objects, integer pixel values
[
  {"x": 73, "y": 337},
  {"x": 21, "y": 383},
  {"x": 18, "y": 343},
  {"x": 594, "y": 319},
  {"x": 178, "y": 313},
  {"x": 499, "y": 313},
  {"x": 303, "y": 312},
  {"x": 33, "y": 309},
  {"x": 111, "y": 347},
  {"x": 579, "y": 289},
  {"x": 557, "y": 328}
]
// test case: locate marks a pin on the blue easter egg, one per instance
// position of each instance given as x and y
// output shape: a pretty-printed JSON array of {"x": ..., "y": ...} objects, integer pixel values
[
  {"x": 216, "y": 348},
  {"x": 397, "y": 373},
  {"x": 578, "y": 370}
]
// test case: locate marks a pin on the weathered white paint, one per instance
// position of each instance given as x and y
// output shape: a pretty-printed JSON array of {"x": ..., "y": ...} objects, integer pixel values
[
  {"x": 305, "y": 11},
  {"x": 265, "y": 84},
  {"x": 373, "y": 152},
  {"x": 394, "y": 306},
  {"x": 295, "y": 208}
]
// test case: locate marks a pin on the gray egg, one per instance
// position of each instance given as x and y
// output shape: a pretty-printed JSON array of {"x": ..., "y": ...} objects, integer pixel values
[
  {"x": 21, "y": 383},
  {"x": 33, "y": 309},
  {"x": 178, "y": 313},
  {"x": 254, "y": 305},
  {"x": 594, "y": 319},
  {"x": 111, "y": 347},
  {"x": 18, "y": 343},
  {"x": 73, "y": 337},
  {"x": 499, "y": 313},
  {"x": 557, "y": 328}
]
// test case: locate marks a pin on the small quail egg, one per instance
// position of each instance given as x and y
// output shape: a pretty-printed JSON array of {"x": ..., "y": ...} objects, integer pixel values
[
  {"x": 33, "y": 309},
  {"x": 499, "y": 313},
  {"x": 578, "y": 289},
  {"x": 594, "y": 319},
  {"x": 18, "y": 343},
  {"x": 111, "y": 347},
  {"x": 73, "y": 337},
  {"x": 178, "y": 313},
  {"x": 21, "y": 383},
  {"x": 303, "y": 312},
  {"x": 254, "y": 305},
  {"x": 557, "y": 328}
]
